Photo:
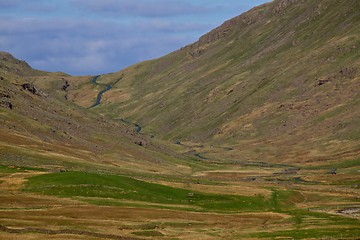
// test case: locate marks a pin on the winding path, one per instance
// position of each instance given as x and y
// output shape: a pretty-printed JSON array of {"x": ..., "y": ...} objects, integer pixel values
[{"x": 100, "y": 94}]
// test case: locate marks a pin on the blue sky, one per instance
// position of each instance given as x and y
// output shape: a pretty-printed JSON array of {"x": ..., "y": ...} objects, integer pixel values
[{"x": 88, "y": 37}]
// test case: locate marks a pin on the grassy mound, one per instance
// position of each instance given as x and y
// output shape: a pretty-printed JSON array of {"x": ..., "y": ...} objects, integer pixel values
[{"x": 79, "y": 184}]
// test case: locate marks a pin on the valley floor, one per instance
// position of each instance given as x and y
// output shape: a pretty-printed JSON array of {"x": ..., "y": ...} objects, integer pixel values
[{"x": 215, "y": 200}]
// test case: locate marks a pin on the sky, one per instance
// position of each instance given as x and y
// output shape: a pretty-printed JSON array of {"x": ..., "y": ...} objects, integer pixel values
[{"x": 90, "y": 37}]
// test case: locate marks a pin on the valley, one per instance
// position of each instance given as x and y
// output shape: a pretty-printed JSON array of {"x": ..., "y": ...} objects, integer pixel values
[{"x": 250, "y": 133}]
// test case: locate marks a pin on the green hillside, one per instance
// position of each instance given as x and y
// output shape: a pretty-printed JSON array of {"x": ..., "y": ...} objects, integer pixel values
[{"x": 281, "y": 73}]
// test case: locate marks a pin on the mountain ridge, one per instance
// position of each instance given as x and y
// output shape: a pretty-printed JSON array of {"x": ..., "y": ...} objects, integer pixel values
[{"x": 253, "y": 80}]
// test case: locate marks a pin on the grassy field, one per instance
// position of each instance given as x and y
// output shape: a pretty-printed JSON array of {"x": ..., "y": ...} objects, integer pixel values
[
  {"x": 90, "y": 205},
  {"x": 77, "y": 184}
]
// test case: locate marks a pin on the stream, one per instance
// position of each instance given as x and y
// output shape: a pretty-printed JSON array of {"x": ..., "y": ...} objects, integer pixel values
[
  {"x": 137, "y": 126},
  {"x": 100, "y": 94}
]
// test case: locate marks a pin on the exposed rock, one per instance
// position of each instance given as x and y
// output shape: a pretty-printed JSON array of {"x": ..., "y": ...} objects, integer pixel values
[
  {"x": 195, "y": 53},
  {"x": 322, "y": 81},
  {"x": 227, "y": 28},
  {"x": 4, "y": 95},
  {"x": 5, "y": 101},
  {"x": 140, "y": 143},
  {"x": 65, "y": 85},
  {"x": 34, "y": 90},
  {"x": 348, "y": 72},
  {"x": 282, "y": 5},
  {"x": 6, "y": 104},
  {"x": 30, "y": 87},
  {"x": 344, "y": 73},
  {"x": 349, "y": 211},
  {"x": 249, "y": 17}
]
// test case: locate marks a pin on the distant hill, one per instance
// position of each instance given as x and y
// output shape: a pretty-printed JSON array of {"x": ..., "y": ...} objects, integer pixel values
[{"x": 279, "y": 81}]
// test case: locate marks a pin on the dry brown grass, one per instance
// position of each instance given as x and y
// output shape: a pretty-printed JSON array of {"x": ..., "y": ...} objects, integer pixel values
[
  {"x": 232, "y": 188},
  {"x": 116, "y": 95},
  {"x": 123, "y": 221}
]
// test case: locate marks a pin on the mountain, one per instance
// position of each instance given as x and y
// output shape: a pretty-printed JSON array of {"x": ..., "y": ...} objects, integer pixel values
[
  {"x": 278, "y": 82},
  {"x": 40, "y": 128},
  {"x": 252, "y": 132}
]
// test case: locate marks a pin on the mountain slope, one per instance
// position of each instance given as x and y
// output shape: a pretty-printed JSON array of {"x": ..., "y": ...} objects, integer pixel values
[
  {"x": 264, "y": 81},
  {"x": 39, "y": 128}
]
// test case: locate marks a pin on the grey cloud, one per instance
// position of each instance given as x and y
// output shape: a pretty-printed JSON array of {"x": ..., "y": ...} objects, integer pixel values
[
  {"x": 90, "y": 46},
  {"x": 93, "y": 28},
  {"x": 82, "y": 43},
  {"x": 145, "y": 8}
]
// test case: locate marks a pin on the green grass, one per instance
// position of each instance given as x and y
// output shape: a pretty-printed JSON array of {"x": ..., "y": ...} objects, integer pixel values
[
  {"x": 338, "y": 164},
  {"x": 323, "y": 233},
  {"x": 280, "y": 200},
  {"x": 327, "y": 226},
  {"x": 91, "y": 185},
  {"x": 5, "y": 169},
  {"x": 15, "y": 169}
]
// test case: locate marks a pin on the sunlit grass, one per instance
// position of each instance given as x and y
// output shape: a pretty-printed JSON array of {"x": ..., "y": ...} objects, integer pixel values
[{"x": 91, "y": 185}]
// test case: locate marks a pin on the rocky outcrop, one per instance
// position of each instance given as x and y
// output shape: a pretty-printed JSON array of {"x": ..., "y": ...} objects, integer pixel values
[
  {"x": 226, "y": 29},
  {"x": 65, "y": 85},
  {"x": 348, "y": 72},
  {"x": 33, "y": 89},
  {"x": 344, "y": 73},
  {"x": 322, "y": 81},
  {"x": 282, "y": 5},
  {"x": 5, "y": 101}
]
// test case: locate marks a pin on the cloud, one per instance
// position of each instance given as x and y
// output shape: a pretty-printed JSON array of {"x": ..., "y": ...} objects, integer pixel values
[
  {"x": 145, "y": 8},
  {"x": 104, "y": 36},
  {"x": 79, "y": 46},
  {"x": 92, "y": 28}
]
